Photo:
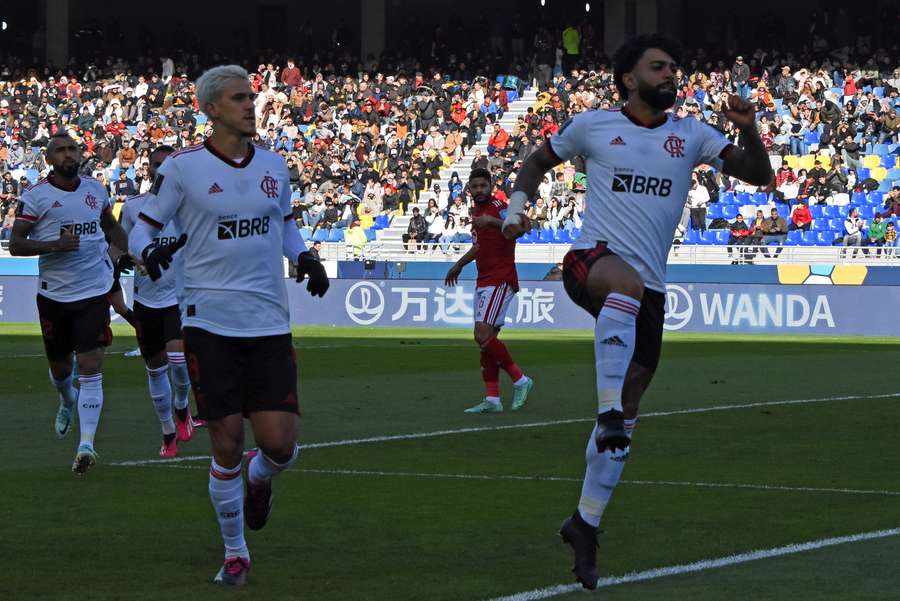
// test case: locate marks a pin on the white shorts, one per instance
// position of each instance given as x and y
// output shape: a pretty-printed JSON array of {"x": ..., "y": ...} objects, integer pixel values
[{"x": 491, "y": 304}]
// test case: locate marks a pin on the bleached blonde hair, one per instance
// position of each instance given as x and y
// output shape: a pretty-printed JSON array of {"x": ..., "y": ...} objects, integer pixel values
[{"x": 211, "y": 84}]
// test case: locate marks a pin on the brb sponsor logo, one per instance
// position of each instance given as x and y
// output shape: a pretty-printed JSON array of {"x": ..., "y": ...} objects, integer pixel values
[
  {"x": 626, "y": 180},
  {"x": 364, "y": 303},
  {"x": 232, "y": 227},
  {"x": 164, "y": 240},
  {"x": 80, "y": 229},
  {"x": 745, "y": 310}
]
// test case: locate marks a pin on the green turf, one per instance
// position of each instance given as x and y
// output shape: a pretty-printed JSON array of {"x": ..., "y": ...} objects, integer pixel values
[{"x": 149, "y": 532}]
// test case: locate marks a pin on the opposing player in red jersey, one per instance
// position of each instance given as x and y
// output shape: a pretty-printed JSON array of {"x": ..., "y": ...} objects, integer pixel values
[{"x": 498, "y": 282}]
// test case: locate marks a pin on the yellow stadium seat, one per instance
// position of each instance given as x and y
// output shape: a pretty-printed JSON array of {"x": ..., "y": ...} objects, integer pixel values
[
  {"x": 878, "y": 173},
  {"x": 117, "y": 209},
  {"x": 825, "y": 159},
  {"x": 807, "y": 161},
  {"x": 870, "y": 161},
  {"x": 793, "y": 161}
]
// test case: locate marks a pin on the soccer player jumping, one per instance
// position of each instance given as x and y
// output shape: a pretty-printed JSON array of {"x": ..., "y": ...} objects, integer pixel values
[
  {"x": 639, "y": 163},
  {"x": 158, "y": 326},
  {"x": 498, "y": 282},
  {"x": 232, "y": 204}
]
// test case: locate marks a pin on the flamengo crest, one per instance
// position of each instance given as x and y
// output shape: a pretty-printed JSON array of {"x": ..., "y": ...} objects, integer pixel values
[
  {"x": 91, "y": 201},
  {"x": 270, "y": 186},
  {"x": 674, "y": 146}
]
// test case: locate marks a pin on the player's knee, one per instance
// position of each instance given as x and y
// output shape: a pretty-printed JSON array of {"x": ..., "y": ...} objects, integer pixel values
[
  {"x": 483, "y": 333},
  {"x": 284, "y": 454},
  {"x": 631, "y": 286}
]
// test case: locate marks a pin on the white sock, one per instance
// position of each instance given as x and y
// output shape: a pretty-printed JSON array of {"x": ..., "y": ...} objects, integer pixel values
[
  {"x": 614, "y": 337},
  {"x": 161, "y": 394},
  {"x": 180, "y": 379},
  {"x": 66, "y": 390},
  {"x": 494, "y": 400},
  {"x": 521, "y": 381},
  {"x": 600, "y": 479},
  {"x": 262, "y": 468},
  {"x": 630, "y": 425},
  {"x": 90, "y": 403},
  {"x": 226, "y": 491}
]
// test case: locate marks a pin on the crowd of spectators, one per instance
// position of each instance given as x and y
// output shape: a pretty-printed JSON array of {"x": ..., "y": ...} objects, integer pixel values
[{"x": 362, "y": 145}]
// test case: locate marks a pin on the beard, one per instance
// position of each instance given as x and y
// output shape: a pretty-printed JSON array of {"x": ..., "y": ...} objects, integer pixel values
[
  {"x": 68, "y": 171},
  {"x": 655, "y": 97}
]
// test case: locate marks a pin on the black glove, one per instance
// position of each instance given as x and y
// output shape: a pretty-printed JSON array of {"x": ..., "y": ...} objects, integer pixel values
[
  {"x": 124, "y": 264},
  {"x": 160, "y": 257},
  {"x": 318, "y": 279}
]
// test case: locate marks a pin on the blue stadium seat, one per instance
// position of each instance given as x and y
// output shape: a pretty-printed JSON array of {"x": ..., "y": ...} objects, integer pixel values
[
  {"x": 305, "y": 233},
  {"x": 527, "y": 238},
  {"x": 862, "y": 173},
  {"x": 820, "y": 225},
  {"x": 893, "y": 173},
  {"x": 826, "y": 238},
  {"x": 885, "y": 185},
  {"x": 691, "y": 237},
  {"x": 336, "y": 235},
  {"x": 760, "y": 198},
  {"x": 783, "y": 210},
  {"x": 201, "y": 118},
  {"x": 793, "y": 237},
  {"x": 382, "y": 222},
  {"x": 707, "y": 237},
  {"x": 320, "y": 235},
  {"x": 744, "y": 198},
  {"x": 889, "y": 161},
  {"x": 33, "y": 175},
  {"x": 843, "y": 211},
  {"x": 817, "y": 211},
  {"x": 831, "y": 211},
  {"x": 878, "y": 91},
  {"x": 730, "y": 212},
  {"x": 811, "y": 137},
  {"x": 715, "y": 211},
  {"x": 875, "y": 199},
  {"x": 858, "y": 198},
  {"x": 371, "y": 234},
  {"x": 727, "y": 197},
  {"x": 881, "y": 149},
  {"x": 836, "y": 225},
  {"x": 867, "y": 212},
  {"x": 808, "y": 239},
  {"x": 722, "y": 236}
]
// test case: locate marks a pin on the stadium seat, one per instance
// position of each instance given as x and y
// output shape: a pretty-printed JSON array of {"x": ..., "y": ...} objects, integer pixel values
[
  {"x": 722, "y": 236},
  {"x": 867, "y": 212},
  {"x": 889, "y": 161},
  {"x": 730, "y": 212},
  {"x": 744, "y": 198},
  {"x": 320, "y": 235},
  {"x": 748, "y": 210},
  {"x": 761, "y": 198},
  {"x": 33, "y": 175},
  {"x": 825, "y": 160},
  {"x": 807, "y": 161},
  {"x": 727, "y": 198},
  {"x": 811, "y": 137},
  {"x": 775, "y": 161},
  {"x": 831, "y": 211},
  {"x": 545, "y": 237},
  {"x": 527, "y": 238},
  {"x": 817, "y": 211},
  {"x": 871, "y": 161},
  {"x": 371, "y": 234},
  {"x": 893, "y": 174},
  {"x": 840, "y": 199},
  {"x": 836, "y": 224},
  {"x": 843, "y": 211},
  {"x": 862, "y": 173},
  {"x": 336, "y": 235},
  {"x": 201, "y": 118},
  {"x": 878, "y": 91},
  {"x": 820, "y": 225},
  {"x": 707, "y": 237},
  {"x": 382, "y": 222},
  {"x": 793, "y": 161},
  {"x": 878, "y": 173},
  {"x": 885, "y": 185},
  {"x": 715, "y": 211},
  {"x": 808, "y": 239},
  {"x": 691, "y": 237},
  {"x": 858, "y": 198},
  {"x": 875, "y": 198},
  {"x": 793, "y": 237},
  {"x": 305, "y": 233},
  {"x": 826, "y": 238}
]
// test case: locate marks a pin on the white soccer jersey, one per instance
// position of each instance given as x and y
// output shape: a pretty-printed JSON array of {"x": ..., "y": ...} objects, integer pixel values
[
  {"x": 163, "y": 292},
  {"x": 234, "y": 216},
  {"x": 75, "y": 275},
  {"x": 638, "y": 181}
]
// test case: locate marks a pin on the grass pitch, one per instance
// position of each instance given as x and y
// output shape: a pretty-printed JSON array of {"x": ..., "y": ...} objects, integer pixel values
[{"x": 472, "y": 515}]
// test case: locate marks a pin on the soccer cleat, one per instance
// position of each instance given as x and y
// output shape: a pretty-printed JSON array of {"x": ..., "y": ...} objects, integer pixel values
[
  {"x": 485, "y": 406},
  {"x": 135, "y": 353},
  {"x": 63, "y": 420},
  {"x": 233, "y": 572},
  {"x": 611, "y": 434},
  {"x": 184, "y": 429},
  {"x": 197, "y": 422},
  {"x": 85, "y": 459},
  {"x": 258, "y": 500},
  {"x": 582, "y": 537},
  {"x": 520, "y": 394},
  {"x": 169, "y": 447}
]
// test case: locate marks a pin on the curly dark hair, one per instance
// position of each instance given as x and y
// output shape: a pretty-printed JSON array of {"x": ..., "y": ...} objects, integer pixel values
[
  {"x": 480, "y": 172},
  {"x": 629, "y": 53}
]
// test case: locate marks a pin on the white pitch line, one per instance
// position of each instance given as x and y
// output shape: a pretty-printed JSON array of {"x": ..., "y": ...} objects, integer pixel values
[
  {"x": 701, "y": 566},
  {"x": 385, "y": 474},
  {"x": 543, "y": 424}
]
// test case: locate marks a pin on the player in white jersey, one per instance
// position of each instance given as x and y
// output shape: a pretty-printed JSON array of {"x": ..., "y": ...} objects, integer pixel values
[
  {"x": 639, "y": 161},
  {"x": 65, "y": 219},
  {"x": 158, "y": 327},
  {"x": 231, "y": 203}
]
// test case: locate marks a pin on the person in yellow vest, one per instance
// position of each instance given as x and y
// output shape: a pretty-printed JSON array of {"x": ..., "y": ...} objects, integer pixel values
[{"x": 571, "y": 39}]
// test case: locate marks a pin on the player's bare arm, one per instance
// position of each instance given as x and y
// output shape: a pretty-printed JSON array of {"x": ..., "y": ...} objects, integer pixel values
[
  {"x": 453, "y": 273},
  {"x": 22, "y": 246},
  {"x": 528, "y": 179},
  {"x": 749, "y": 161},
  {"x": 116, "y": 234}
]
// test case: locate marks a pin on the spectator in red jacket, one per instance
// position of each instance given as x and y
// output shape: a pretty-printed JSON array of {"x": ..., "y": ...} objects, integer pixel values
[
  {"x": 115, "y": 127},
  {"x": 785, "y": 175},
  {"x": 740, "y": 233},
  {"x": 290, "y": 75},
  {"x": 801, "y": 218},
  {"x": 498, "y": 140}
]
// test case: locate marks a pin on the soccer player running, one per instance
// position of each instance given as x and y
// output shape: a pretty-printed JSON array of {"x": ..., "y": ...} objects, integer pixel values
[
  {"x": 158, "y": 328},
  {"x": 639, "y": 163},
  {"x": 65, "y": 220},
  {"x": 498, "y": 282},
  {"x": 231, "y": 202}
]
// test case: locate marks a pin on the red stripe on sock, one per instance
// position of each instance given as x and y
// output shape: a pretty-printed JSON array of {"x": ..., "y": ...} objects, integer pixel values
[
  {"x": 621, "y": 306},
  {"x": 222, "y": 475}
]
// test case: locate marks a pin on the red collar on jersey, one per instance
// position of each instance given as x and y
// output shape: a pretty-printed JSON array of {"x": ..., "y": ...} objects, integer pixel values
[
  {"x": 638, "y": 122},
  {"x": 51, "y": 179},
  {"x": 246, "y": 161}
]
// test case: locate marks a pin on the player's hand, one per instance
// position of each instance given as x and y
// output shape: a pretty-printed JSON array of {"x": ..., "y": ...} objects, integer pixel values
[
  {"x": 740, "y": 112},
  {"x": 160, "y": 257},
  {"x": 318, "y": 279},
  {"x": 452, "y": 275},
  {"x": 515, "y": 225},
  {"x": 123, "y": 264},
  {"x": 67, "y": 242}
]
